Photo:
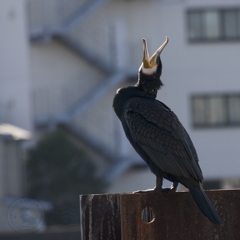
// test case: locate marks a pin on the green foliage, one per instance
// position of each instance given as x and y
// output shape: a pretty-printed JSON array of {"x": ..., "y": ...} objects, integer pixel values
[{"x": 58, "y": 171}]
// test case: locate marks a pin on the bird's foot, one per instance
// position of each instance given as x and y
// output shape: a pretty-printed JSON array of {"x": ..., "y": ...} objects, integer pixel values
[
  {"x": 173, "y": 188},
  {"x": 168, "y": 190}
]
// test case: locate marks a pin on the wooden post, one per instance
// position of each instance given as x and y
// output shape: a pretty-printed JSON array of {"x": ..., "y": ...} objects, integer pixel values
[{"x": 154, "y": 216}]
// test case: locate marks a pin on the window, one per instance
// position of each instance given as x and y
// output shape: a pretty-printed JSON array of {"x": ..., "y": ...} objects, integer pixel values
[
  {"x": 216, "y": 110},
  {"x": 213, "y": 24}
]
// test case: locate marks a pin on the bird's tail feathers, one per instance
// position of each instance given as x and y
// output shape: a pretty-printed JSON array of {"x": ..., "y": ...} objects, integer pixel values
[{"x": 205, "y": 205}]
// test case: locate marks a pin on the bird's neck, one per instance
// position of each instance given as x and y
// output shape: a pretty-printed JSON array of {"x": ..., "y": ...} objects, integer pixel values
[{"x": 149, "y": 83}]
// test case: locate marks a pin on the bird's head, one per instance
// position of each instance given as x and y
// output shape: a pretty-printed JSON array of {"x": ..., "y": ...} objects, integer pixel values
[{"x": 151, "y": 69}]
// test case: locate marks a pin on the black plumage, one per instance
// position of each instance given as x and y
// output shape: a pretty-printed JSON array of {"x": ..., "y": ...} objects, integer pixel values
[{"x": 158, "y": 136}]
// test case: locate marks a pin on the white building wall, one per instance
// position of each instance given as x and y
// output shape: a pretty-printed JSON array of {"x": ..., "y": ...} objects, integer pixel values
[
  {"x": 15, "y": 103},
  {"x": 202, "y": 68},
  {"x": 14, "y": 65},
  {"x": 187, "y": 69},
  {"x": 59, "y": 78}
]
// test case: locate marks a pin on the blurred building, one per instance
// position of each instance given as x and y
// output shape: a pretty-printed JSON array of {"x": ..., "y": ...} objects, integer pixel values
[
  {"x": 15, "y": 114},
  {"x": 62, "y": 61}
]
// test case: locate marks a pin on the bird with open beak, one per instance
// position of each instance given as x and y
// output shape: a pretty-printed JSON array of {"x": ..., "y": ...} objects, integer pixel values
[
  {"x": 158, "y": 136},
  {"x": 150, "y": 70}
]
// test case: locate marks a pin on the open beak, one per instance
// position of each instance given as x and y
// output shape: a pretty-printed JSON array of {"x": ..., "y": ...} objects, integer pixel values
[{"x": 152, "y": 61}]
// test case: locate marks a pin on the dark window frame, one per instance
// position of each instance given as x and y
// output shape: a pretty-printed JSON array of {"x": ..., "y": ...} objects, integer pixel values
[
  {"x": 206, "y": 124},
  {"x": 221, "y": 11}
]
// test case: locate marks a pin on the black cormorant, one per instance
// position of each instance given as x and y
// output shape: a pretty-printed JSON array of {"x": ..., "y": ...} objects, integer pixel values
[{"x": 158, "y": 136}]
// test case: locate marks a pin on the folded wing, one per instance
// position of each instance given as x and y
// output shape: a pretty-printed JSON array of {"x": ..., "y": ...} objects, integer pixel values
[{"x": 157, "y": 130}]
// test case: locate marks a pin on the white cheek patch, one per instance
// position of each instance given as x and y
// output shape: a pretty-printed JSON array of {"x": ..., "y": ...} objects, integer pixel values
[
  {"x": 148, "y": 71},
  {"x": 118, "y": 90}
]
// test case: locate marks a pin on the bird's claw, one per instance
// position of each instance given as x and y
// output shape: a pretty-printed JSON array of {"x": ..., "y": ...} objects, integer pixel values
[{"x": 168, "y": 190}]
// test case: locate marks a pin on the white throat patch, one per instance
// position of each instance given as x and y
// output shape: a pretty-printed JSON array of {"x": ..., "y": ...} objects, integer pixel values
[{"x": 148, "y": 71}]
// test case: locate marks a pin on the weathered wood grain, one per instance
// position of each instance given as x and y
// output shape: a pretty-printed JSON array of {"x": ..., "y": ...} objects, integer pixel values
[
  {"x": 100, "y": 217},
  {"x": 154, "y": 216}
]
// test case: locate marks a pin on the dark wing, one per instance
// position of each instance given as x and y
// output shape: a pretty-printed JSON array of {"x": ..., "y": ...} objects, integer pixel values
[{"x": 157, "y": 130}]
